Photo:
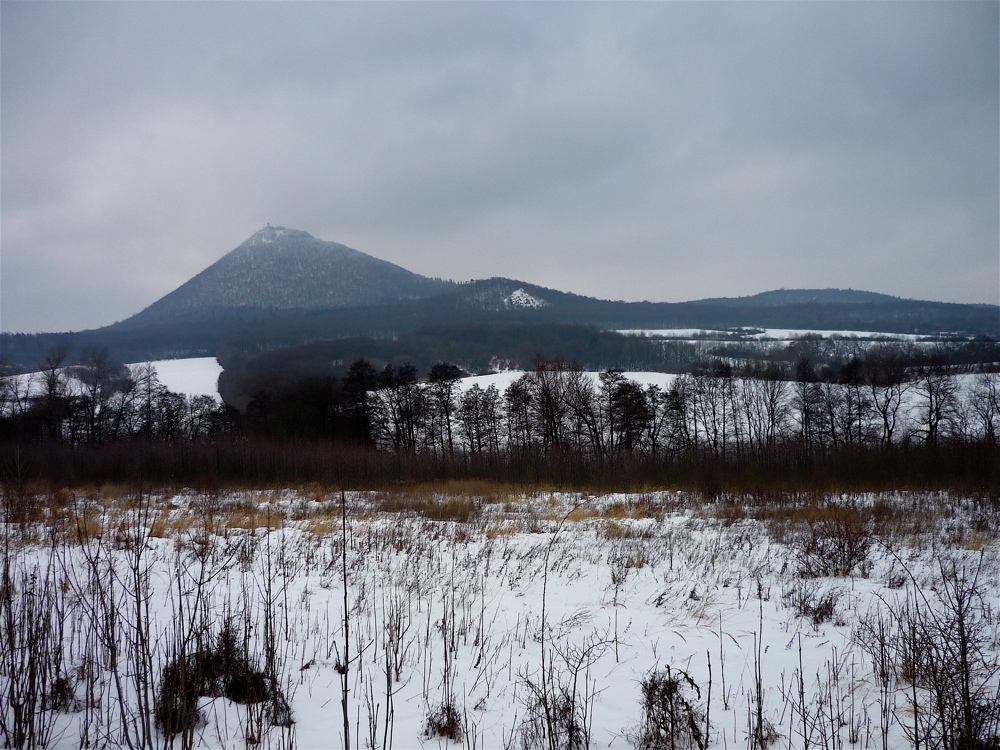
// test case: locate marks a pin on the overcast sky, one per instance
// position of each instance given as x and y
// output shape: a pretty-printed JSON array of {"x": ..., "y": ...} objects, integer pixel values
[{"x": 660, "y": 150}]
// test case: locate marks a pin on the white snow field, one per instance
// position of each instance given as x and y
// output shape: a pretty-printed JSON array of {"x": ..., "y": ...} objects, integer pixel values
[
  {"x": 776, "y": 334},
  {"x": 507, "y": 619},
  {"x": 191, "y": 377},
  {"x": 198, "y": 376}
]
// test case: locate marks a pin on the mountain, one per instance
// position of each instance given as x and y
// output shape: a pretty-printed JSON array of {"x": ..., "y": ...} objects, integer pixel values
[
  {"x": 286, "y": 269},
  {"x": 285, "y": 288}
]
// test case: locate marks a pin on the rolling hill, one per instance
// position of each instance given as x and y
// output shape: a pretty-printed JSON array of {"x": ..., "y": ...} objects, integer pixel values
[{"x": 283, "y": 287}]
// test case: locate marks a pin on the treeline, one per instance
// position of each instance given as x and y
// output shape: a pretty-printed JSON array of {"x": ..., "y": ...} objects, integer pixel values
[
  {"x": 879, "y": 417},
  {"x": 722, "y": 411},
  {"x": 102, "y": 401},
  {"x": 477, "y": 347}
]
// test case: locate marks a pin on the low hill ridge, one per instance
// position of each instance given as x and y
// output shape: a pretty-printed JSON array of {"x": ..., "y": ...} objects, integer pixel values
[{"x": 781, "y": 297}]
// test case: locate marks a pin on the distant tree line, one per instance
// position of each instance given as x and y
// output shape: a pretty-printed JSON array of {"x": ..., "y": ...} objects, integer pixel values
[
  {"x": 758, "y": 414},
  {"x": 722, "y": 411},
  {"x": 102, "y": 401}
]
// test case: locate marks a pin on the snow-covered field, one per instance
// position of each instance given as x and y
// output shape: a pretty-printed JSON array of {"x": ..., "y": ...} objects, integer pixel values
[
  {"x": 190, "y": 377},
  {"x": 776, "y": 334},
  {"x": 509, "y": 618},
  {"x": 198, "y": 376}
]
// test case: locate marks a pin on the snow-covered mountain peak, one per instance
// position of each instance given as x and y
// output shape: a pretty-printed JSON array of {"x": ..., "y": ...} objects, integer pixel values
[
  {"x": 278, "y": 268},
  {"x": 268, "y": 234},
  {"x": 521, "y": 299}
]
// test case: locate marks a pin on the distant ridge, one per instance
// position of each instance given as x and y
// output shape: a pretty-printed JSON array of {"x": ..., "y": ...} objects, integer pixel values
[
  {"x": 782, "y": 297},
  {"x": 285, "y": 288},
  {"x": 287, "y": 269}
]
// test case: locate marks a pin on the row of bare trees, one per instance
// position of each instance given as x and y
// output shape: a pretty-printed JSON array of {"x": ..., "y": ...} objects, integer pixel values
[
  {"x": 725, "y": 411},
  {"x": 730, "y": 413},
  {"x": 100, "y": 400}
]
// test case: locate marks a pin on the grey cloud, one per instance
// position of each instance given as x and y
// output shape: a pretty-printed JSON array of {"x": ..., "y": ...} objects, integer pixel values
[{"x": 638, "y": 151}]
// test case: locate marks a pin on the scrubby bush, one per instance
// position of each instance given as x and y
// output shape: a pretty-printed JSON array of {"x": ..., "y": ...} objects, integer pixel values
[
  {"x": 444, "y": 721},
  {"x": 941, "y": 648},
  {"x": 807, "y": 600},
  {"x": 837, "y": 542},
  {"x": 222, "y": 668},
  {"x": 671, "y": 717}
]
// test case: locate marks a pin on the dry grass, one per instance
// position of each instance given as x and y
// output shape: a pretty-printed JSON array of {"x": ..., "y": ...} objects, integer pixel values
[
  {"x": 614, "y": 530},
  {"x": 583, "y": 513},
  {"x": 491, "y": 510},
  {"x": 482, "y": 490},
  {"x": 434, "y": 506},
  {"x": 506, "y": 528},
  {"x": 253, "y": 519},
  {"x": 321, "y": 526}
]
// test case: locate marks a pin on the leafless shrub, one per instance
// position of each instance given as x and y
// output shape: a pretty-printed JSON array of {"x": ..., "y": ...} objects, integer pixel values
[
  {"x": 806, "y": 599},
  {"x": 555, "y": 719},
  {"x": 221, "y": 668},
  {"x": 559, "y": 702},
  {"x": 444, "y": 720},
  {"x": 31, "y": 668},
  {"x": 941, "y": 648},
  {"x": 671, "y": 716},
  {"x": 62, "y": 695},
  {"x": 837, "y": 542}
]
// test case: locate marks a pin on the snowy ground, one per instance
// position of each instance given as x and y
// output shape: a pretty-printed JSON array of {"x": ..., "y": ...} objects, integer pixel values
[
  {"x": 198, "y": 376},
  {"x": 776, "y": 334},
  {"x": 190, "y": 377},
  {"x": 487, "y": 601}
]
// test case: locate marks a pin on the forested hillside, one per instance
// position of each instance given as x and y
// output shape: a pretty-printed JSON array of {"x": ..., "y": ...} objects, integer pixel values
[{"x": 283, "y": 288}]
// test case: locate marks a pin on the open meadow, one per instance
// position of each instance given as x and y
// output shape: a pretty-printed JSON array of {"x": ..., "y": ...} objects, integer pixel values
[{"x": 483, "y": 616}]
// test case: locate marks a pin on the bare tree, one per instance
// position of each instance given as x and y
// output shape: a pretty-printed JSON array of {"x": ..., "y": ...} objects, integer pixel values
[
  {"x": 443, "y": 387},
  {"x": 807, "y": 402},
  {"x": 937, "y": 401},
  {"x": 983, "y": 405},
  {"x": 360, "y": 384},
  {"x": 887, "y": 383},
  {"x": 55, "y": 402},
  {"x": 517, "y": 400},
  {"x": 101, "y": 377}
]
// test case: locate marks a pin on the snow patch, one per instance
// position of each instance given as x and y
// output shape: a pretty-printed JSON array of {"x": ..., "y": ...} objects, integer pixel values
[
  {"x": 267, "y": 235},
  {"x": 192, "y": 377},
  {"x": 520, "y": 299},
  {"x": 776, "y": 334}
]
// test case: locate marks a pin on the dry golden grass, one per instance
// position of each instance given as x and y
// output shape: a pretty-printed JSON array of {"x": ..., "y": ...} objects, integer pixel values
[
  {"x": 437, "y": 507},
  {"x": 252, "y": 519},
  {"x": 490, "y": 511},
  {"x": 111, "y": 491},
  {"x": 319, "y": 526},
  {"x": 583, "y": 513},
  {"x": 614, "y": 530},
  {"x": 483, "y": 491},
  {"x": 616, "y": 511},
  {"x": 87, "y": 529},
  {"x": 170, "y": 523},
  {"x": 506, "y": 528}
]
